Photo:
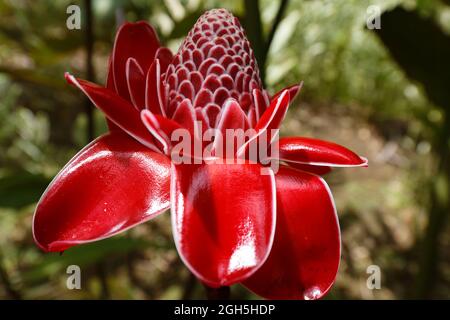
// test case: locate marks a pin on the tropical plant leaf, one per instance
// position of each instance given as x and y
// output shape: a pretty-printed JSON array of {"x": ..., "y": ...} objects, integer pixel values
[
  {"x": 83, "y": 256},
  {"x": 20, "y": 189}
]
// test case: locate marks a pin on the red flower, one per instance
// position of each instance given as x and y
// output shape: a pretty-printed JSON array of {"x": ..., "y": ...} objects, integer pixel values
[{"x": 277, "y": 233}]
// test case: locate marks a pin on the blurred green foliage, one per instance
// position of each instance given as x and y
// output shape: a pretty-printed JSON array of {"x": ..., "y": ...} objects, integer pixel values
[{"x": 354, "y": 94}]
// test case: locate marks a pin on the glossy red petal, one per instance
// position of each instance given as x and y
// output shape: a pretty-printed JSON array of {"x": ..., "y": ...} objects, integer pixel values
[
  {"x": 154, "y": 90},
  {"x": 260, "y": 103},
  {"x": 161, "y": 128},
  {"x": 305, "y": 255},
  {"x": 232, "y": 117},
  {"x": 164, "y": 55},
  {"x": 136, "y": 83},
  {"x": 275, "y": 113},
  {"x": 133, "y": 40},
  {"x": 118, "y": 110},
  {"x": 318, "y": 153},
  {"x": 293, "y": 91},
  {"x": 251, "y": 115},
  {"x": 110, "y": 84},
  {"x": 320, "y": 170},
  {"x": 223, "y": 219},
  {"x": 111, "y": 185},
  {"x": 269, "y": 121},
  {"x": 185, "y": 116}
]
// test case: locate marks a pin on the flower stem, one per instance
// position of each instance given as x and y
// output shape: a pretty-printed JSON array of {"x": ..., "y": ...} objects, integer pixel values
[{"x": 221, "y": 293}]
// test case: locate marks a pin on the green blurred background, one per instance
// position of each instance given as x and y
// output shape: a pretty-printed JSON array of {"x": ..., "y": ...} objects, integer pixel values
[{"x": 383, "y": 93}]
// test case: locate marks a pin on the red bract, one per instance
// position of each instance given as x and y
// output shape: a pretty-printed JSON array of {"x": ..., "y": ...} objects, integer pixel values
[{"x": 277, "y": 233}]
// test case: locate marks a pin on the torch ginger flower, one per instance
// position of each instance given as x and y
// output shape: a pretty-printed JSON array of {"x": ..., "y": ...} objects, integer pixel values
[{"x": 277, "y": 233}]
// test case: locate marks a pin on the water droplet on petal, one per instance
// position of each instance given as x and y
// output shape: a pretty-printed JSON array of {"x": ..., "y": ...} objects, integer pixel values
[{"x": 312, "y": 293}]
